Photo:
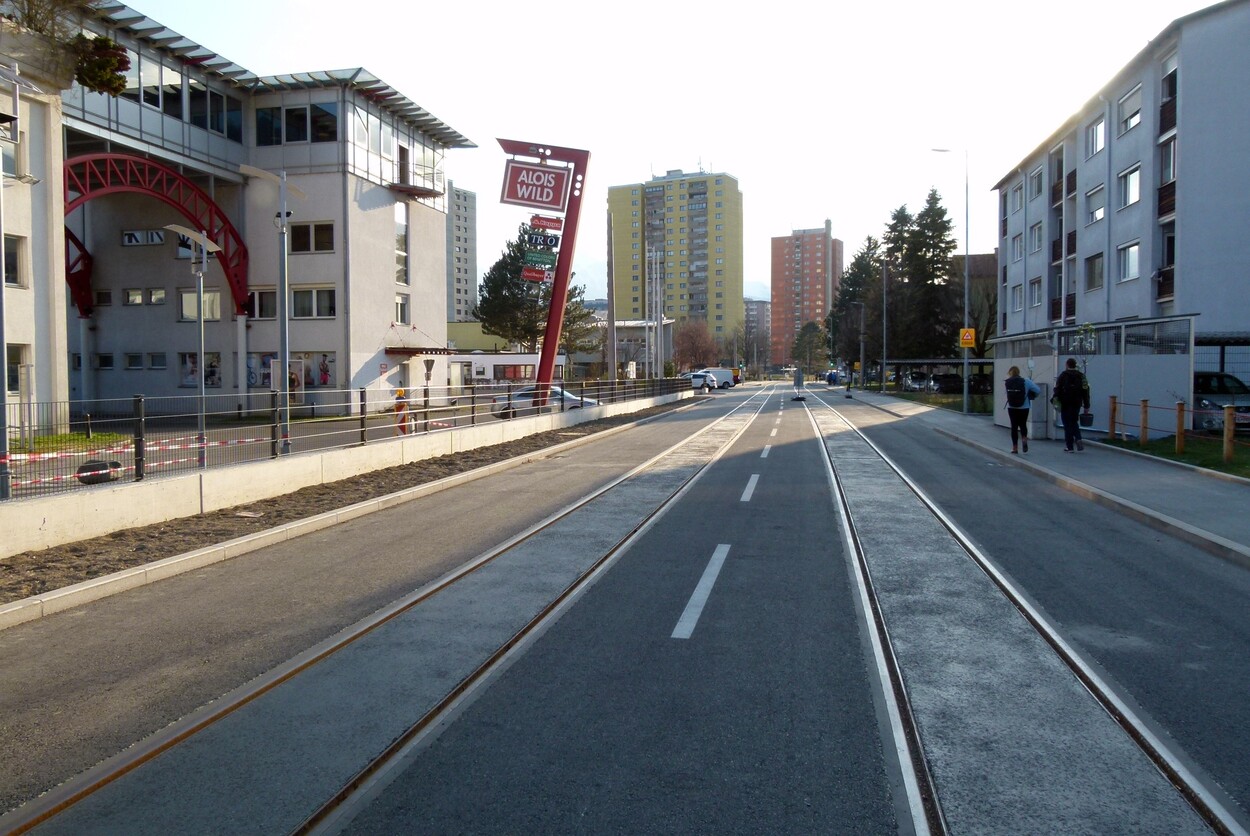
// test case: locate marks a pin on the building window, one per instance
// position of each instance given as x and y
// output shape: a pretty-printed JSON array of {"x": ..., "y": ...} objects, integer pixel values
[
  {"x": 1035, "y": 292},
  {"x": 134, "y": 296},
  {"x": 1130, "y": 110},
  {"x": 1095, "y": 204},
  {"x": 295, "y": 124},
  {"x": 268, "y": 126},
  {"x": 1017, "y": 297},
  {"x": 401, "y": 243},
  {"x": 1127, "y": 261},
  {"x": 1017, "y": 247},
  {"x": 103, "y": 298},
  {"x": 1035, "y": 183},
  {"x": 12, "y": 261},
  {"x": 262, "y": 304},
  {"x": 1093, "y": 272},
  {"x": 134, "y": 362},
  {"x": 1167, "y": 161},
  {"x": 187, "y": 305},
  {"x": 156, "y": 296},
  {"x": 156, "y": 360},
  {"x": 1035, "y": 237},
  {"x": 1130, "y": 186},
  {"x": 312, "y": 237},
  {"x": 317, "y": 303},
  {"x": 401, "y": 308},
  {"x": 1095, "y": 137},
  {"x": 103, "y": 361},
  {"x": 1017, "y": 197}
]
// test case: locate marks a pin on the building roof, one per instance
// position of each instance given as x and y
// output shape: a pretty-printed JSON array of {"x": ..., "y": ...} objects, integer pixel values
[{"x": 144, "y": 28}]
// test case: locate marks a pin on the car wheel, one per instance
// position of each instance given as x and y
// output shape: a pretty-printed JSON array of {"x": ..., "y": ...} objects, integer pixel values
[{"x": 724, "y": 386}]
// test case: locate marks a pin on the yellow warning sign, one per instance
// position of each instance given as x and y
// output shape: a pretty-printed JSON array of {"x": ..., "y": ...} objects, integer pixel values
[{"x": 967, "y": 338}]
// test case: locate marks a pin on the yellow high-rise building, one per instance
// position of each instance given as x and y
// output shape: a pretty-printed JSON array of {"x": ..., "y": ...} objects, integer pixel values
[{"x": 677, "y": 239}]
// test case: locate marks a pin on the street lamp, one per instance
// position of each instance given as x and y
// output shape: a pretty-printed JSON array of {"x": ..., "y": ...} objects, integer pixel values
[
  {"x": 967, "y": 262},
  {"x": 862, "y": 358},
  {"x": 284, "y": 347},
  {"x": 206, "y": 246}
]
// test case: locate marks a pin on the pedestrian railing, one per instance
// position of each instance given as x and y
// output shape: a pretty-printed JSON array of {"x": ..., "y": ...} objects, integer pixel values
[
  {"x": 1190, "y": 425},
  {"x": 63, "y": 446}
]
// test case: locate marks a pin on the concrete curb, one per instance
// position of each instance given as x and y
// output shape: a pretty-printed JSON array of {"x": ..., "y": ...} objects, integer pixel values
[
  {"x": 1205, "y": 540},
  {"x": 59, "y": 600}
]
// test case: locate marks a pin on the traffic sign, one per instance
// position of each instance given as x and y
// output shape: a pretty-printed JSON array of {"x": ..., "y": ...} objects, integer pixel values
[
  {"x": 539, "y": 239},
  {"x": 540, "y": 258},
  {"x": 967, "y": 338},
  {"x": 543, "y": 222}
]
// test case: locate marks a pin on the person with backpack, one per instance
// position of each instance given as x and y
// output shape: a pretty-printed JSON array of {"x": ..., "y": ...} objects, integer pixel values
[
  {"x": 1020, "y": 394},
  {"x": 1072, "y": 390}
]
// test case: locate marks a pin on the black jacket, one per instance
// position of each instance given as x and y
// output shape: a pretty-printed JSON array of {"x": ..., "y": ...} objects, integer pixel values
[{"x": 1072, "y": 389}]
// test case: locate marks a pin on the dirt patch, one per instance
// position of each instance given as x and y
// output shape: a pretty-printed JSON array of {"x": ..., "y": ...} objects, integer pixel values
[{"x": 35, "y": 572}]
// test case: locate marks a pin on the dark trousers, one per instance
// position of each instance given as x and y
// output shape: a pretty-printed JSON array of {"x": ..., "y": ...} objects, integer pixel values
[
  {"x": 1019, "y": 419},
  {"x": 1071, "y": 417}
]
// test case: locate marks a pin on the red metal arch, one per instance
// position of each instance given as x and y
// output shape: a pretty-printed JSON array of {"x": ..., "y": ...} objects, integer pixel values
[{"x": 96, "y": 175}]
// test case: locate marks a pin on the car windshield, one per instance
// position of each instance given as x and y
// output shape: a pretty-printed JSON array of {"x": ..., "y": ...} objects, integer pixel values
[{"x": 1232, "y": 385}]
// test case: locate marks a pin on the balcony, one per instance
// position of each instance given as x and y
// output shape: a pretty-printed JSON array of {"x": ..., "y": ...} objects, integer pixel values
[
  {"x": 1056, "y": 251},
  {"x": 1167, "y": 116},
  {"x": 1167, "y": 198},
  {"x": 1056, "y": 192},
  {"x": 1071, "y": 243},
  {"x": 1166, "y": 288},
  {"x": 1071, "y": 183},
  {"x": 1058, "y": 308}
]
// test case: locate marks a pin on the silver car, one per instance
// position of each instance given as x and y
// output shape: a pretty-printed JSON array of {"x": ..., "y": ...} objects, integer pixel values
[
  {"x": 521, "y": 402},
  {"x": 1212, "y": 392}
]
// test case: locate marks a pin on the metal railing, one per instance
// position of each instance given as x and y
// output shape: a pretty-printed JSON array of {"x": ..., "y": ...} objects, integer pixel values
[{"x": 56, "y": 447}]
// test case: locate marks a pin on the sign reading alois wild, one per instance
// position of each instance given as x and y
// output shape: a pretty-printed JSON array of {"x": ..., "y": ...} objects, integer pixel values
[{"x": 535, "y": 186}]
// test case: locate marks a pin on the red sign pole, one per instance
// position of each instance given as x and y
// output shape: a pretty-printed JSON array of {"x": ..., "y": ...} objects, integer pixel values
[{"x": 577, "y": 160}]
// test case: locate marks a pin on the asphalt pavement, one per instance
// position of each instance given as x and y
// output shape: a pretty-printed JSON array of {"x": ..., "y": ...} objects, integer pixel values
[{"x": 1201, "y": 506}]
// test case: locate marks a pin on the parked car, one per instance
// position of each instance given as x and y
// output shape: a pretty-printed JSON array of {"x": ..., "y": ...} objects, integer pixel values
[
  {"x": 915, "y": 381},
  {"x": 724, "y": 377},
  {"x": 948, "y": 383},
  {"x": 980, "y": 384},
  {"x": 701, "y": 380},
  {"x": 1212, "y": 392},
  {"x": 521, "y": 402}
]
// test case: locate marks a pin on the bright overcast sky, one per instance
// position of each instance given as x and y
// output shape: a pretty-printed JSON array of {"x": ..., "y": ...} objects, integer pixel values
[{"x": 821, "y": 110}]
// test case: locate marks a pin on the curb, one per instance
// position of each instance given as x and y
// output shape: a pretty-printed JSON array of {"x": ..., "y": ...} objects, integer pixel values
[{"x": 1205, "y": 540}]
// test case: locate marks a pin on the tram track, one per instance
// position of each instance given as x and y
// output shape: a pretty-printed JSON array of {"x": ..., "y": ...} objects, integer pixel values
[
  {"x": 921, "y": 788},
  {"x": 712, "y": 442}
]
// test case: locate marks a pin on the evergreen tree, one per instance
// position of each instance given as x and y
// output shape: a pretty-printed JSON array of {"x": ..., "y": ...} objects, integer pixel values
[
  {"x": 862, "y": 273},
  {"x": 808, "y": 350},
  {"x": 930, "y": 324},
  {"x": 509, "y": 306}
]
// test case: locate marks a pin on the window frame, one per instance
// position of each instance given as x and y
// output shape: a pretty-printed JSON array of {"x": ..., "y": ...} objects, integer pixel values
[
  {"x": 1095, "y": 136},
  {"x": 1100, "y": 261},
  {"x": 1128, "y": 260},
  {"x": 1129, "y": 185}
]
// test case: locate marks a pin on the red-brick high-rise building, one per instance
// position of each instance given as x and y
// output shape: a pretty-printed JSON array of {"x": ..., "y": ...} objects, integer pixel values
[{"x": 806, "y": 272}]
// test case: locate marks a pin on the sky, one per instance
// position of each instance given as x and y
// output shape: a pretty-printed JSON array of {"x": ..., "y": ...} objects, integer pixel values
[{"x": 822, "y": 110}]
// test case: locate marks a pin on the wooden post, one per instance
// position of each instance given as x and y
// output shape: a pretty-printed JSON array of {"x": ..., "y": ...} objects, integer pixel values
[
  {"x": 1112, "y": 418},
  {"x": 1180, "y": 427},
  {"x": 1145, "y": 422},
  {"x": 1230, "y": 427}
]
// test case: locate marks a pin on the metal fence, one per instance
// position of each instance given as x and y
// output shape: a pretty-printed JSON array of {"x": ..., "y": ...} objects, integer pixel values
[{"x": 62, "y": 446}]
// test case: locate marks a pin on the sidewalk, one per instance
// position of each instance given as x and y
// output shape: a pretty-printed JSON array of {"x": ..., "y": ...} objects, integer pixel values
[{"x": 1198, "y": 506}]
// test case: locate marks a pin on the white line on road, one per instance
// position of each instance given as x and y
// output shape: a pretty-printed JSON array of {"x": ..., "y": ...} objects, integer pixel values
[
  {"x": 773, "y": 434},
  {"x": 694, "y": 607},
  {"x": 751, "y": 483},
  {"x": 767, "y": 447}
]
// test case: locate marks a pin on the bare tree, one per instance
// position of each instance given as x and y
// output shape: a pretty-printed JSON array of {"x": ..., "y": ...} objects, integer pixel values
[{"x": 693, "y": 345}]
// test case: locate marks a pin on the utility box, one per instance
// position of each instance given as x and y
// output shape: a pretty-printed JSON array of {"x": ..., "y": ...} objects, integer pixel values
[{"x": 1040, "y": 418}]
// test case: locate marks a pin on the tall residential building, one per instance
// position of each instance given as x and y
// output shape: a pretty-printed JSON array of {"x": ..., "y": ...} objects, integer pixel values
[
  {"x": 806, "y": 273},
  {"x": 758, "y": 327},
  {"x": 681, "y": 236},
  {"x": 461, "y": 253},
  {"x": 1103, "y": 222}
]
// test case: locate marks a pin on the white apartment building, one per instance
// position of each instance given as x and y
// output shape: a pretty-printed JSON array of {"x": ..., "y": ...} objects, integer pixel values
[
  {"x": 1135, "y": 208},
  {"x": 366, "y": 227},
  {"x": 461, "y": 253}
]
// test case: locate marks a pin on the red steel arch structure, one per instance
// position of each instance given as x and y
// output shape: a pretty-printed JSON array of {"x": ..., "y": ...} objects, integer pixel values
[{"x": 95, "y": 175}]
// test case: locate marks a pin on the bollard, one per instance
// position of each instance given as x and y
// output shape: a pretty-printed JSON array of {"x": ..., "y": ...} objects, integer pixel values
[
  {"x": 140, "y": 438},
  {"x": 1145, "y": 423}
]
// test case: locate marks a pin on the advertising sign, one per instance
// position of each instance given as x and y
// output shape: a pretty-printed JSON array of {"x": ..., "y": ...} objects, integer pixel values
[
  {"x": 542, "y": 222},
  {"x": 536, "y": 186},
  {"x": 538, "y": 239},
  {"x": 540, "y": 258},
  {"x": 537, "y": 274}
]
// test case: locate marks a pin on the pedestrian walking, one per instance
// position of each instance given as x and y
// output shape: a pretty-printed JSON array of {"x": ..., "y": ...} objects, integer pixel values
[
  {"x": 401, "y": 411},
  {"x": 1020, "y": 394},
  {"x": 1072, "y": 390}
]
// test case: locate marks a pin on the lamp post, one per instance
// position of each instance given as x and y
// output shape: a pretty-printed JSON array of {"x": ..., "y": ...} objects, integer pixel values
[
  {"x": 284, "y": 346},
  {"x": 967, "y": 262},
  {"x": 862, "y": 357},
  {"x": 206, "y": 246}
]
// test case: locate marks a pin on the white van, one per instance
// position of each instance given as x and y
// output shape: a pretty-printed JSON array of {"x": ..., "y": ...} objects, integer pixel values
[{"x": 724, "y": 377}]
